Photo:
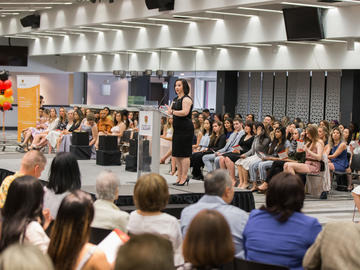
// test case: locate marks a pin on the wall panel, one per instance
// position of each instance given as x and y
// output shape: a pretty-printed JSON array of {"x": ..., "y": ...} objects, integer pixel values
[
  {"x": 333, "y": 96},
  {"x": 317, "y": 97},
  {"x": 279, "y": 95},
  {"x": 302, "y": 96},
  {"x": 243, "y": 93},
  {"x": 267, "y": 94},
  {"x": 255, "y": 87}
]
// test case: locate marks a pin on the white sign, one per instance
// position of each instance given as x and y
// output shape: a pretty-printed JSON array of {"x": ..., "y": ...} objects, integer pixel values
[{"x": 145, "y": 123}]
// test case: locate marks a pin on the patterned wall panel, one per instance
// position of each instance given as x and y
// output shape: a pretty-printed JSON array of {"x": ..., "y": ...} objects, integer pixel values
[
  {"x": 303, "y": 96},
  {"x": 243, "y": 91},
  {"x": 279, "y": 95},
  {"x": 291, "y": 94},
  {"x": 255, "y": 87},
  {"x": 317, "y": 96},
  {"x": 332, "y": 110},
  {"x": 267, "y": 93}
]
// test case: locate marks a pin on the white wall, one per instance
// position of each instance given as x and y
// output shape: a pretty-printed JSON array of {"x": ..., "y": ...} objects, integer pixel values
[{"x": 119, "y": 90}]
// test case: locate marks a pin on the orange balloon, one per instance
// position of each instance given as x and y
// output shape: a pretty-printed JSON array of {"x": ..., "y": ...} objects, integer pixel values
[{"x": 8, "y": 92}]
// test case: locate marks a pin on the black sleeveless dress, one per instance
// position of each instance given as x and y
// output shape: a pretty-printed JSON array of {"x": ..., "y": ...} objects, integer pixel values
[{"x": 183, "y": 131}]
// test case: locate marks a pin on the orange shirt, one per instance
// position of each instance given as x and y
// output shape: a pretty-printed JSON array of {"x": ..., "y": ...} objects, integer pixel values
[{"x": 105, "y": 125}]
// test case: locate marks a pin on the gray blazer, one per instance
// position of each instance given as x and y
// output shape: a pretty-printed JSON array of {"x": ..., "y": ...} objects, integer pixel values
[{"x": 258, "y": 147}]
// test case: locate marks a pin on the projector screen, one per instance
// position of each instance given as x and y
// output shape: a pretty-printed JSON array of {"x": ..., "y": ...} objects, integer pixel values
[{"x": 13, "y": 56}]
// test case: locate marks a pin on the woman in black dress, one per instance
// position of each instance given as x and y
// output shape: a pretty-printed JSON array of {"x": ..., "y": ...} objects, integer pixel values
[{"x": 183, "y": 130}]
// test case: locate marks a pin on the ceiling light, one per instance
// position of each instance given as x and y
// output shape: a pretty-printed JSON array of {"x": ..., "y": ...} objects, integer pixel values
[
  {"x": 97, "y": 28},
  {"x": 334, "y": 40},
  {"x": 202, "y": 47},
  {"x": 168, "y": 20},
  {"x": 144, "y": 23},
  {"x": 120, "y": 25},
  {"x": 83, "y": 30},
  {"x": 237, "y": 46},
  {"x": 17, "y": 10},
  {"x": 229, "y": 14},
  {"x": 196, "y": 18},
  {"x": 261, "y": 9},
  {"x": 306, "y": 5},
  {"x": 183, "y": 49},
  {"x": 20, "y": 37},
  {"x": 10, "y": 13},
  {"x": 260, "y": 44}
]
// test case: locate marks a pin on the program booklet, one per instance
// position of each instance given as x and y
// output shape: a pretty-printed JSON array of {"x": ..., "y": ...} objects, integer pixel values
[{"x": 111, "y": 243}]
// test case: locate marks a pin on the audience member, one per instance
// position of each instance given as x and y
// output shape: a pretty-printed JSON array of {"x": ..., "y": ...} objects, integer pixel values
[
  {"x": 65, "y": 140},
  {"x": 24, "y": 257},
  {"x": 278, "y": 233},
  {"x": 204, "y": 137},
  {"x": 259, "y": 145},
  {"x": 219, "y": 193},
  {"x": 145, "y": 251},
  {"x": 107, "y": 214},
  {"x": 165, "y": 141},
  {"x": 250, "y": 117},
  {"x": 69, "y": 247},
  {"x": 151, "y": 195},
  {"x": 314, "y": 149},
  {"x": 232, "y": 141},
  {"x": 90, "y": 127},
  {"x": 217, "y": 141},
  {"x": 336, "y": 247},
  {"x": 64, "y": 177},
  {"x": 208, "y": 243},
  {"x": 105, "y": 124},
  {"x": 22, "y": 214},
  {"x": 324, "y": 133},
  {"x": 206, "y": 114},
  {"x": 228, "y": 127},
  {"x": 32, "y": 163}
]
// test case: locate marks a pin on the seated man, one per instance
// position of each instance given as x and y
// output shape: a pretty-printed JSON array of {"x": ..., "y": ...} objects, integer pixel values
[
  {"x": 104, "y": 124},
  {"x": 219, "y": 193},
  {"x": 106, "y": 214},
  {"x": 32, "y": 163}
]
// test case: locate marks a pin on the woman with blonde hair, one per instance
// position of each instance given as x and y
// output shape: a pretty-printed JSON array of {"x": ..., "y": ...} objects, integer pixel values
[
  {"x": 314, "y": 149},
  {"x": 151, "y": 195}
]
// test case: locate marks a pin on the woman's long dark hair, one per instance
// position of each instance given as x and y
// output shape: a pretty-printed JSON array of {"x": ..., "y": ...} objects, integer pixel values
[
  {"x": 214, "y": 138},
  {"x": 64, "y": 173},
  {"x": 24, "y": 203},
  {"x": 275, "y": 142},
  {"x": 126, "y": 122},
  {"x": 284, "y": 196},
  {"x": 71, "y": 229},
  {"x": 210, "y": 129},
  {"x": 264, "y": 133},
  {"x": 185, "y": 85}
]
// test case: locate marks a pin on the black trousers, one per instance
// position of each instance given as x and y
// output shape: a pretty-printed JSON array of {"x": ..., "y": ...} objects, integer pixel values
[{"x": 197, "y": 163}]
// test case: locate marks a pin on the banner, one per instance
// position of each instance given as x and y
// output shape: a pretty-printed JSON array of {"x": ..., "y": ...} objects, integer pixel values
[
  {"x": 28, "y": 91},
  {"x": 145, "y": 123}
]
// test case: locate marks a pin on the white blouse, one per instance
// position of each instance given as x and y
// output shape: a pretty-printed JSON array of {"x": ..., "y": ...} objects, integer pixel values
[
  {"x": 36, "y": 236},
  {"x": 163, "y": 224}
]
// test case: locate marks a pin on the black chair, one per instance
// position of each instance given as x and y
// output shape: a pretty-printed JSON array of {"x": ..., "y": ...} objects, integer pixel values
[
  {"x": 240, "y": 264},
  {"x": 98, "y": 234},
  {"x": 341, "y": 178}
]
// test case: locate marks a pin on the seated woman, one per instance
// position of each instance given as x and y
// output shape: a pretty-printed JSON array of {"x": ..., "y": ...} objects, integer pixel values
[
  {"x": 227, "y": 160},
  {"x": 260, "y": 144},
  {"x": 217, "y": 142},
  {"x": 323, "y": 134},
  {"x": 151, "y": 195},
  {"x": 197, "y": 132},
  {"x": 65, "y": 140},
  {"x": 22, "y": 215},
  {"x": 278, "y": 233},
  {"x": 314, "y": 149},
  {"x": 337, "y": 155},
  {"x": 208, "y": 242},
  {"x": 228, "y": 127},
  {"x": 278, "y": 147},
  {"x": 40, "y": 139},
  {"x": 204, "y": 136},
  {"x": 69, "y": 247},
  {"x": 41, "y": 125},
  {"x": 64, "y": 178},
  {"x": 295, "y": 154},
  {"x": 53, "y": 135},
  {"x": 90, "y": 127},
  {"x": 165, "y": 141}
]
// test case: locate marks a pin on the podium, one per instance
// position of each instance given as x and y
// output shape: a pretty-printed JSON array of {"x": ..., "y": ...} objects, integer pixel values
[{"x": 148, "y": 157}]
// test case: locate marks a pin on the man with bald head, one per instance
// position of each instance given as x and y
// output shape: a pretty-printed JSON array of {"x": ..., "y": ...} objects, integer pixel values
[{"x": 32, "y": 163}]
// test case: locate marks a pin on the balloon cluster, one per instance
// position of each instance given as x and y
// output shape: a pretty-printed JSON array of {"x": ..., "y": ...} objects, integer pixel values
[{"x": 6, "y": 93}]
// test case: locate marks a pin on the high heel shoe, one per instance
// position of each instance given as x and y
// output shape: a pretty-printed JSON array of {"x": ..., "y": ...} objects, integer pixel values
[{"x": 183, "y": 184}]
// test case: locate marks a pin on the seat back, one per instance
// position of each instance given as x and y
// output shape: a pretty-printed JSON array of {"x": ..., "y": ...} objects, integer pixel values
[
  {"x": 98, "y": 234},
  {"x": 355, "y": 163},
  {"x": 125, "y": 138},
  {"x": 240, "y": 264}
]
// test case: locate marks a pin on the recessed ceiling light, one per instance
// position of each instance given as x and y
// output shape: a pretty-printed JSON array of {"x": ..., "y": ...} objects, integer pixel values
[
  {"x": 261, "y": 9},
  {"x": 229, "y": 14},
  {"x": 237, "y": 46},
  {"x": 306, "y": 5},
  {"x": 144, "y": 23},
  {"x": 168, "y": 20},
  {"x": 120, "y": 25},
  {"x": 196, "y": 18},
  {"x": 183, "y": 49}
]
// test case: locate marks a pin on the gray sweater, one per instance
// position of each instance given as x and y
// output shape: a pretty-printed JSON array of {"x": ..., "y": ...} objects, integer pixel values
[{"x": 258, "y": 147}]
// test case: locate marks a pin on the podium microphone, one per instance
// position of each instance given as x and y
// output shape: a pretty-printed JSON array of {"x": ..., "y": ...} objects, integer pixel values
[{"x": 162, "y": 100}]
